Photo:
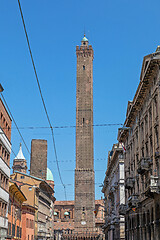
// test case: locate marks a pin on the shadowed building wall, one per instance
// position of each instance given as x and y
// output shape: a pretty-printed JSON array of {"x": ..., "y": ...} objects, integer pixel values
[{"x": 5, "y": 150}]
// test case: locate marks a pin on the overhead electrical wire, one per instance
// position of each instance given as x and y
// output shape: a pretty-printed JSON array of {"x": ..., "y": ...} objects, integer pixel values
[
  {"x": 13, "y": 152},
  {"x": 43, "y": 102},
  {"x": 71, "y": 126},
  {"x": 96, "y": 159}
]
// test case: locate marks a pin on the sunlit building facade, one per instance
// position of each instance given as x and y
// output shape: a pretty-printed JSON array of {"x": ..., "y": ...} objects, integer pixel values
[{"x": 114, "y": 195}]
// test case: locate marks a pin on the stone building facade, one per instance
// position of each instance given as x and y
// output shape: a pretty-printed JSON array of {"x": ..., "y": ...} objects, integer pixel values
[
  {"x": 114, "y": 195},
  {"x": 5, "y": 150},
  {"x": 84, "y": 172},
  {"x": 141, "y": 139}
]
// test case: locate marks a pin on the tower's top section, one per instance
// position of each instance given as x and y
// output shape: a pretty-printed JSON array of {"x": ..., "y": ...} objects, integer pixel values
[
  {"x": 84, "y": 41},
  {"x": 84, "y": 50},
  {"x": 20, "y": 163},
  {"x": 20, "y": 155}
]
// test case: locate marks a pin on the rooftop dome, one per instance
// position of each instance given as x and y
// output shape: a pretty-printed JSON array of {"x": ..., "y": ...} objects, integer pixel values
[
  {"x": 49, "y": 175},
  {"x": 20, "y": 155},
  {"x": 84, "y": 39}
]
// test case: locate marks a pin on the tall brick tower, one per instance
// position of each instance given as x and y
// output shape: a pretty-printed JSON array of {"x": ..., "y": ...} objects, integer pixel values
[
  {"x": 38, "y": 162},
  {"x": 84, "y": 172}
]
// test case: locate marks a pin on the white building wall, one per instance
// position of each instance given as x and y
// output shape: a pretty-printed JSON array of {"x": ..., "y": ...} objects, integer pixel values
[
  {"x": 4, "y": 222},
  {"x": 114, "y": 192},
  {"x": 4, "y": 167},
  {"x": 4, "y": 195},
  {"x": 5, "y": 141}
]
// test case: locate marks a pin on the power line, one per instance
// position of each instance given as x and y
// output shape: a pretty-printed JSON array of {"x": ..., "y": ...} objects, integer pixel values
[
  {"x": 40, "y": 91},
  {"x": 70, "y": 170},
  {"x": 13, "y": 152},
  {"x": 96, "y": 159},
  {"x": 73, "y": 126},
  {"x": 15, "y": 123}
]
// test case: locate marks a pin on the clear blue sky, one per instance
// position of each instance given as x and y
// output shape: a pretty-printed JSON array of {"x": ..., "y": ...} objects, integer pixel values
[{"x": 121, "y": 33}]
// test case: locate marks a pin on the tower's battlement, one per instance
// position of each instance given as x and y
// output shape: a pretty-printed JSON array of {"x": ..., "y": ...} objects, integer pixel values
[{"x": 84, "y": 51}]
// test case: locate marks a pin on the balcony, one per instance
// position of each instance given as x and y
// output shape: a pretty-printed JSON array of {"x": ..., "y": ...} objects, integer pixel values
[
  {"x": 144, "y": 165},
  {"x": 129, "y": 183},
  {"x": 115, "y": 185},
  {"x": 157, "y": 155},
  {"x": 108, "y": 219},
  {"x": 111, "y": 192},
  {"x": 122, "y": 209},
  {"x": 133, "y": 201},
  {"x": 107, "y": 222},
  {"x": 115, "y": 220}
]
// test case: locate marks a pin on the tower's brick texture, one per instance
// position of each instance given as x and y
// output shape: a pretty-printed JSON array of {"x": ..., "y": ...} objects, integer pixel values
[
  {"x": 38, "y": 163},
  {"x": 84, "y": 172}
]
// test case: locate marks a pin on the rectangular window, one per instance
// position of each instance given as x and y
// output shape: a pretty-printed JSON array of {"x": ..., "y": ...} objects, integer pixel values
[
  {"x": 20, "y": 232},
  {"x": 83, "y": 67},
  {"x": 156, "y": 133},
  {"x": 13, "y": 230},
  {"x": 17, "y": 232},
  {"x": 9, "y": 228},
  {"x": 9, "y": 207}
]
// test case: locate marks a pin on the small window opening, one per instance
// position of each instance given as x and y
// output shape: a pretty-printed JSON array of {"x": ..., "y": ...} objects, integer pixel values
[
  {"x": 83, "y": 67},
  {"x": 83, "y": 120},
  {"x": 145, "y": 65},
  {"x": 84, "y": 43}
]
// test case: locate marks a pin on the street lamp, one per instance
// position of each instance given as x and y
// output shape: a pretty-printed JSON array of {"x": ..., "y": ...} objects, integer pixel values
[{"x": 124, "y": 128}]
